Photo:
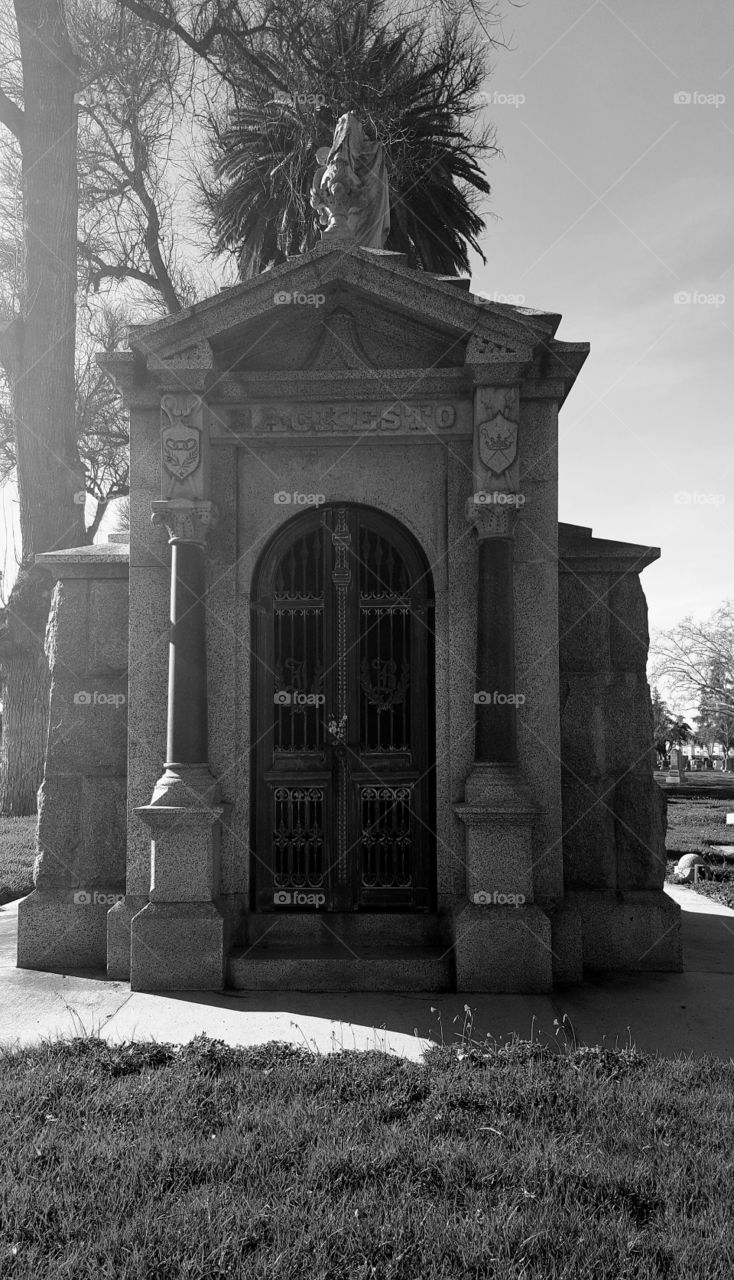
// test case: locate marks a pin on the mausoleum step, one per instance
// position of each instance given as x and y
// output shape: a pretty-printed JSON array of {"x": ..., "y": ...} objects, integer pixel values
[
  {"x": 330, "y": 969},
  {"x": 359, "y": 929}
]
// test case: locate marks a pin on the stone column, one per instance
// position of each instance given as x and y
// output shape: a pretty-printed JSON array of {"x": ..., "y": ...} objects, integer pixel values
[
  {"x": 186, "y": 775},
  {"x": 496, "y": 739},
  {"x": 178, "y": 940},
  {"x": 503, "y": 941}
]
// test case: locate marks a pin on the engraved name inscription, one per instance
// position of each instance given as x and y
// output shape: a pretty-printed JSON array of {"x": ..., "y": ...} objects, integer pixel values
[{"x": 383, "y": 417}]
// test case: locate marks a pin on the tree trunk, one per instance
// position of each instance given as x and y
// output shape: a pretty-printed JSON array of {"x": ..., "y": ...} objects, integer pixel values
[
  {"x": 26, "y": 688},
  {"x": 38, "y": 354},
  {"x": 25, "y": 726}
]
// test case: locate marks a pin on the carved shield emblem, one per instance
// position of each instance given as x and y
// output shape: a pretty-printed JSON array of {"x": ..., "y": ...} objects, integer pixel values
[
  {"x": 181, "y": 450},
  {"x": 497, "y": 443}
]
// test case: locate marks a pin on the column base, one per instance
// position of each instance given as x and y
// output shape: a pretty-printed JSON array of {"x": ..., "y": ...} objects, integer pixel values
[
  {"x": 184, "y": 860},
  {"x": 185, "y": 786},
  {"x": 503, "y": 949},
  {"x": 637, "y": 930},
  {"x": 61, "y": 929},
  {"x": 567, "y": 943},
  {"x": 119, "y": 920},
  {"x": 498, "y": 814},
  {"x": 178, "y": 946}
]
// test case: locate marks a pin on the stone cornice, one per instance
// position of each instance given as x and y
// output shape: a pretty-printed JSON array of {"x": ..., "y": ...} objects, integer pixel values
[
  {"x": 101, "y": 560},
  {"x": 581, "y": 553},
  {"x": 358, "y": 384},
  {"x": 380, "y": 274},
  {"x": 502, "y": 343},
  {"x": 543, "y": 389}
]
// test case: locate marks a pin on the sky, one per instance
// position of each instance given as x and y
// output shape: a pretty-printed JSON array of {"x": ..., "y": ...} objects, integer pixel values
[{"x": 612, "y": 204}]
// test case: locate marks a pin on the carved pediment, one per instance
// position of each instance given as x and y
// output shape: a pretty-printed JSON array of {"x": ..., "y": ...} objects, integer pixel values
[
  {"x": 338, "y": 345},
  {"x": 350, "y": 312}
]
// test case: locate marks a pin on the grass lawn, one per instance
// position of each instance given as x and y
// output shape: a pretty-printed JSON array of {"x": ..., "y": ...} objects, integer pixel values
[
  {"x": 695, "y": 823},
  {"x": 17, "y": 855},
  {"x": 693, "y": 826},
  {"x": 137, "y": 1161}
]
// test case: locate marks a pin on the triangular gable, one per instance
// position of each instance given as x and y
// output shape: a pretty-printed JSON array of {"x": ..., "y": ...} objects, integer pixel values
[{"x": 372, "y": 310}]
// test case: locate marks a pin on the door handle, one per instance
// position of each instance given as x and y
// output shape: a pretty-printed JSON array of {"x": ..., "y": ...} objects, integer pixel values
[{"x": 337, "y": 730}]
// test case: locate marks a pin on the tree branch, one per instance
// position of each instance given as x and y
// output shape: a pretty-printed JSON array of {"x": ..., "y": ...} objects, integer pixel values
[
  {"x": 100, "y": 270},
  {"x": 201, "y": 45},
  {"x": 152, "y": 225},
  {"x": 169, "y": 23},
  {"x": 102, "y": 504},
  {"x": 11, "y": 115}
]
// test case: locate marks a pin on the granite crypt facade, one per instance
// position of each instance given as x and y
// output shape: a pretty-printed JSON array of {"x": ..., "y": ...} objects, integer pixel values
[{"x": 376, "y": 720}]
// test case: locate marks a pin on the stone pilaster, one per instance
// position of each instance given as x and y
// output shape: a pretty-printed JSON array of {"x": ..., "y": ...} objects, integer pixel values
[
  {"x": 178, "y": 940},
  {"x": 501, "y": 937}
]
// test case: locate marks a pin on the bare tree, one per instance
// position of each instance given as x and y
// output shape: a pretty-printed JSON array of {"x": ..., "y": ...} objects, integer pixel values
[
  {"x": 101, "y": 423},
  {"x": 128, "y": 113},
  {"x": 696, "y": 661},
  {"x": 38, "y": 112},
  {"x": 56, "y": 55}
]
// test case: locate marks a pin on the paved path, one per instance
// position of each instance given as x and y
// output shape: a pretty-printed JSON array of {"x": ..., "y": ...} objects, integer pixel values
[{"x": 690, "y": 1012}]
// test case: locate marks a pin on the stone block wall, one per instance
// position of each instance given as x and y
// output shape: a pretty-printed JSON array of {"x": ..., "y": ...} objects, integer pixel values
[
  {"x": 613, "y": 811},
  {"x": 80, "y": 868}
]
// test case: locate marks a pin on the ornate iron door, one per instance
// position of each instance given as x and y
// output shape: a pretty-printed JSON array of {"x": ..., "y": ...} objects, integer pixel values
[{"x": 343, "y": 761}]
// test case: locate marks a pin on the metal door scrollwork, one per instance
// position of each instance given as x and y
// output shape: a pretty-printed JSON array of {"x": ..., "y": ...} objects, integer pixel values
[{"x": 343, "y": 695}]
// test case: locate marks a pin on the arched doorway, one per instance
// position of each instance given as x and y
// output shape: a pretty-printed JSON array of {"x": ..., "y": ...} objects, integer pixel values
[{"x": 343, "y": 763}]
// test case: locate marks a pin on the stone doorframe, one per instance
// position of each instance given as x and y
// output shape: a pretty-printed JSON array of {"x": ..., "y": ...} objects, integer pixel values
[{"x": 343, "y": 748}]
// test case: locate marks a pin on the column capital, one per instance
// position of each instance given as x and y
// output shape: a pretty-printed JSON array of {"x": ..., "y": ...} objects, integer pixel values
[
  {"x": 491, "y": 519},
  {"x": 185, "y": 519}
]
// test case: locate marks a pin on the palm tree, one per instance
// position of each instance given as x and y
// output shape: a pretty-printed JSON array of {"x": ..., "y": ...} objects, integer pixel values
[{"x": 415, "y": 89}]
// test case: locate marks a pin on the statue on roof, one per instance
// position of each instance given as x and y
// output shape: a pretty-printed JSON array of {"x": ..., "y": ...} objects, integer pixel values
[{"x": 350, "y": 191}]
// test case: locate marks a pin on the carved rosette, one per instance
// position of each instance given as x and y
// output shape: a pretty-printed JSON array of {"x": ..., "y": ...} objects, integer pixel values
[{"x": 185, "y": 520}]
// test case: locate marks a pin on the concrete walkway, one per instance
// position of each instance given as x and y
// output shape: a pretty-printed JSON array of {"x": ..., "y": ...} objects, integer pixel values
[{"x": 671, "y": 1013}]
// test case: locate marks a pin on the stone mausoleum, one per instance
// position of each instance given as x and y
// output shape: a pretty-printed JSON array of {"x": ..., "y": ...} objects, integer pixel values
[{"x": 378, "y": 721}]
